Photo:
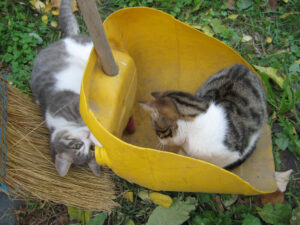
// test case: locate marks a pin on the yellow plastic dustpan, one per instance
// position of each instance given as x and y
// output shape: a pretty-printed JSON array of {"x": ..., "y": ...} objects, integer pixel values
[{"x": 166, "y": 54}]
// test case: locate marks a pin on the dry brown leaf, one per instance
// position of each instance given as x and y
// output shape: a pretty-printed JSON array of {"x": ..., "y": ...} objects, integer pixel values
[
  {"x": 275, "y": 197},
  {"x": 230, "y": 4},
  {"x": 55, "y": 3},
  {"x": 273, "y": 4},
  {"x": 282, "y": 179}
]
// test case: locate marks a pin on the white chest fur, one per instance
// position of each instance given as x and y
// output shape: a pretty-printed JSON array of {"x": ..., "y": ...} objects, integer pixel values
[
  {"x": 70, "y": 78},
  {"x": 203, "y": 137}
]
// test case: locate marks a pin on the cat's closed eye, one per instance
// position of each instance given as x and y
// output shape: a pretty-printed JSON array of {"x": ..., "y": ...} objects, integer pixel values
[{"x": 76, "y": 145}]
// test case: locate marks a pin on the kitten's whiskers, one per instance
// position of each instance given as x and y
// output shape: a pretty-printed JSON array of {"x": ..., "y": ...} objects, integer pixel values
[{"x": 160, "y": 146}]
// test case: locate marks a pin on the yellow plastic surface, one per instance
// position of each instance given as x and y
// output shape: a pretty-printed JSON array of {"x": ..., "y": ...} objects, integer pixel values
[{"x": 167, "y": 54}]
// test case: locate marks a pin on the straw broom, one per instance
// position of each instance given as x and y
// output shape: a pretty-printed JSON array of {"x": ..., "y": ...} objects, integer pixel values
[{"x": 30, "y": 169}]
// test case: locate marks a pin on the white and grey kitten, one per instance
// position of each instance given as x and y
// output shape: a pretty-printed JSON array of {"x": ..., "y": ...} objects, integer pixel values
[
  {"x": 55, "y": 83},
  {"x": 220, "y": 124}
]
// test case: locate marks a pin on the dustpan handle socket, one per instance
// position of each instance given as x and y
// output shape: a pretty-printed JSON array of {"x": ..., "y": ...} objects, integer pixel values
[{"x": 94, "y": 24}]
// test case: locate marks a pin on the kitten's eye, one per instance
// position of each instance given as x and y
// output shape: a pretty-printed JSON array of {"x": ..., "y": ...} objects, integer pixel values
[
  {"x": 77, "y": 145},
  {"x": 164, "y": 133}
]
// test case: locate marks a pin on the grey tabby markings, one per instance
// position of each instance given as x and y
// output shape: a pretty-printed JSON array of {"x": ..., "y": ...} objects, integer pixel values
[
  {"x": 61, "y": 104},
  {"x": 67, "y": 100},
  {"x": 239, "y": 91}
]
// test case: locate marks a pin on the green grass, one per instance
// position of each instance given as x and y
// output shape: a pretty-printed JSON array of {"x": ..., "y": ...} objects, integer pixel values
[{"x": 22, "y": 30}]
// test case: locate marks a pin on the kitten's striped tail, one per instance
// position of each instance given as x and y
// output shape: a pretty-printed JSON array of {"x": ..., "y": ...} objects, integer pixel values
[{"x": 67, "y": 20}]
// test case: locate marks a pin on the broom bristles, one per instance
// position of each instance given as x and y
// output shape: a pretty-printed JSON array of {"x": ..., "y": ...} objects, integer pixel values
[{"x": 30, "y": 169}]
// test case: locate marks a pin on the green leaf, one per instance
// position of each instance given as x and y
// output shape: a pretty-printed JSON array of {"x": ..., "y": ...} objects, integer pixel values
[
  {"x": 277, "y": 160},
  {"x": 129, "y": 222},
  {"x": 295, "y": 68},
  {"x": 295, "y": 219},
  {"x": 228, "y": 200},
  {"x": 99, "y": 219},
  {"x": 272, "y": 73},
  {"x": 297, "y": 96},
  {"x": 175, "y": 215},
  {"x": 287, "y": 97},
  {"x": 280, "y": 213},
  {"x": 218, "y": 27},
  {"x": 203, "y": 27},
  {"x": 270, "y": 96},
  {"x": 294, "y": 48},
  {"x": 205, "y": 198},
  {"x": 144, "y": 195},
  {"x": 244, "y": 4},
  {"x": 199, "y": 220},
  {"x": 282, "y": 141},
  {"x": 251, "y": 220},
  {"x": 240, "y": 209},
  {"x": 80, "y": 215}
]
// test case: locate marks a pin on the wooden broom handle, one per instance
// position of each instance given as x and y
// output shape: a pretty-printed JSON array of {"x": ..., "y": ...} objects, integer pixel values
[{"x": 93, "y": 22}]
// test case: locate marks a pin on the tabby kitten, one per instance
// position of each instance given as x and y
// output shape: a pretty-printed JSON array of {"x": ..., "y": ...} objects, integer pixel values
[
  {"x": 220, "y": 124},
  {"x": 55, "y": 83}
]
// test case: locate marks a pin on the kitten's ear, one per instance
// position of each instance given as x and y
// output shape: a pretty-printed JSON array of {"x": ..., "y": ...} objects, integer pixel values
[
  {"x": 94, "y": 165},
  {"x": 63, "y": 163},
  {"x": 156, "y": 94},
  {"x": 147, "y": 106}
]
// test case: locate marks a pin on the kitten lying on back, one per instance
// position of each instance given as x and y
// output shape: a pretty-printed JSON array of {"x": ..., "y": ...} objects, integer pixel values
[
  {"x": 55, "y": 83},
  {"x": 220, "y": 124}
]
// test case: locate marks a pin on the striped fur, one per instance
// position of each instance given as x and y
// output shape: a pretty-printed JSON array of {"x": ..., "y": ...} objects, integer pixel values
[
  {"x": 220, "y": 124},
  {"x": 55, "y": 83}
]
